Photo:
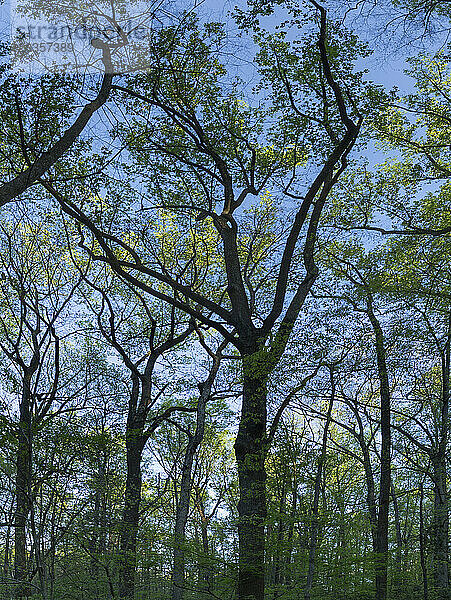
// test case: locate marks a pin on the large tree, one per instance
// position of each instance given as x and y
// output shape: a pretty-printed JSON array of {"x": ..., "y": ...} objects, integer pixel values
[{"x": 202, "y": 151}]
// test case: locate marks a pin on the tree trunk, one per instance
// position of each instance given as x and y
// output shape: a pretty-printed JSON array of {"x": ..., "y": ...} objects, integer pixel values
[
  {"x": 205, "y": 572},
  {"x": 289, "y": 552},
  {"x": 369, "y": 477},
  {"x": 130, "y": 516},
  {"x": 399, "y": 578},
  {"x": 381, "y": 565},
  {"x": 250, "y": 452},
  {"x": 178, "y": 572},
  {"x": 204, "y": 566},
  {"x": 136, "y": 438},
  {"x": 316, "y": 494},
  {"x": 370, "y": 492},
  {"x": 278, "y": 552},
  {"x": 23, "y": 488},
  {"x": 440, "y": 528},
  {"x": 422, "y": 553},
  {"x": 7, "y": 552},
  {"x": 384, "y": 501},
  {"x": 439, "y": 467},
  {"x": 397, "y": 526}
]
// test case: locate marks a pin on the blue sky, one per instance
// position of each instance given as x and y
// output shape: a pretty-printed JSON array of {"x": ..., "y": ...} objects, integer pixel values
[{"x": 386, "y": 66}]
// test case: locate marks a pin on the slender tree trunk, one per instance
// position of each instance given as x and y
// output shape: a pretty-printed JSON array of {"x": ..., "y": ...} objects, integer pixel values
[
  {"x": 399, "y": 575},
  {"x": 316, "y": 494},
  {"x": 250, "y": 452},
  {"x": 136, "y": 437},
  {"x": 204, "y": 577},
  {"x": 178, "y": 572},
  {"x": 440, "y": 528},
  {"x": 205, "y": 572},
  {"x": 370, "y": 493},
  {"x": 287, "y": 570},
  {"x": 369, "y": 477},
  {"x": 381, "y": 566},
  {"x": 439, "y": 467},
  {"x": 38, "y": 553},
  {"x": 23, "y": 487},
  {"x": 397, "y": 526},
  {"x": 94, "y": 541},
  {"x": 7, "y": 553},
  {"x": 422, "y": 553},
  {"x": 278, "y": 549}
]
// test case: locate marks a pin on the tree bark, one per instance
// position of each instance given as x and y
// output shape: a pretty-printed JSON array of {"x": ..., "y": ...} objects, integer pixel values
[
  {"x": 422, "y": 553},
  {"x": 250, "y": 452},
  {"x": 23, "y": 487},
  {"x": 277, "y": 558},
  {"x": 204, "y": 570},
  {"x": 381, "y": 565},
  {"x": 439, "y": 468},
  {"x": 370, "y": 490},
  {"x": 178, "y": 572},
  {"x": 440, "y": 527},
  {"x": 135, "y": 442},
  {"x": 136, "y": 436},
  {"x": 397, "y": 525},
  {"x": 316, "y": 494}
]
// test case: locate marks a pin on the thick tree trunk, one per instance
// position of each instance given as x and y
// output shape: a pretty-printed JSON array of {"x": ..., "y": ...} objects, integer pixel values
[
  {"x": 250, "y": 452},
  {"x": 23, "y": 488},
  {"x": 130, "y": 516},
  {"x": 384, "y": 501}
]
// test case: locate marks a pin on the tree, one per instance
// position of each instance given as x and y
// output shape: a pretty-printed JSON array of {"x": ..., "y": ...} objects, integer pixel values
[
  {"x": 35, "y": 294},
  {"x": 379, "y": 517},
  {"x": 192, "y": 209},
  {"x": 194, "y": 441},
  {"x": 187, "y": 129},
  {"x": 143, "y": 414},
  {"x": 39, "y": 133}
]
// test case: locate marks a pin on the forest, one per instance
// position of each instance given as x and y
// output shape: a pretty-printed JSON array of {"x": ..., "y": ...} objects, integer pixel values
[{"x": 225, "y": 320}]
